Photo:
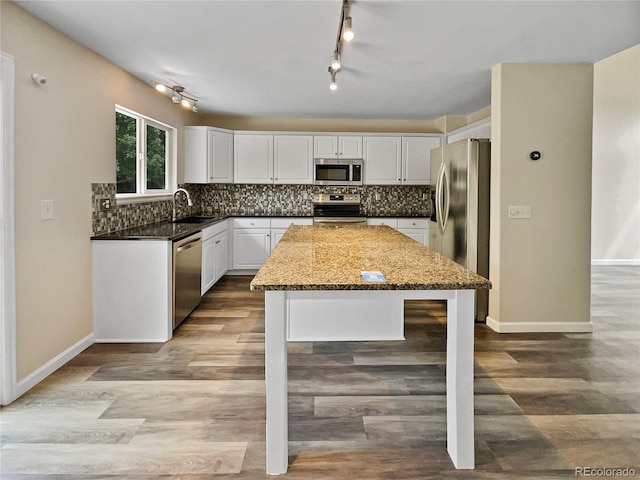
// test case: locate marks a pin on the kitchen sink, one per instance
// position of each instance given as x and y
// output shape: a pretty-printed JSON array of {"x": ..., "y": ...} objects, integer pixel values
[{"x": 194, "y": 220}]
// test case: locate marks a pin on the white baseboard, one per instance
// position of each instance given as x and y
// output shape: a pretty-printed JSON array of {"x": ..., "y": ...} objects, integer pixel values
[
  {"x": 131, "y": 340},
  {"x": 615, "y": 261},
  {"x": 52, "y": 365},
  {"x": 539, "y": 327},
  {"x": 241, "y": 272}
]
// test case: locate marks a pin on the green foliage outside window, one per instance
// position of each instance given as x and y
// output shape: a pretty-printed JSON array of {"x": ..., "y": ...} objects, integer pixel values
[
  {"x": 156, "y": 158},
  {"x": 126, "y": 152},
  {"x": 155, "y": 142}
]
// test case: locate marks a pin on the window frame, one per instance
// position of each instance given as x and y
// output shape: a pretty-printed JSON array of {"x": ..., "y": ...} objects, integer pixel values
[{"x": 142, "y": 192}]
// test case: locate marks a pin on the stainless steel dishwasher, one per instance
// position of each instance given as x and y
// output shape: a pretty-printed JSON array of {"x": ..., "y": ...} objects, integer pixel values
[{"x": 187, "y": 267}]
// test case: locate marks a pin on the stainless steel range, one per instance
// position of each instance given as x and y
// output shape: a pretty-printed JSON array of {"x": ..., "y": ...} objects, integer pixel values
[{"x": 334, "y": 210}]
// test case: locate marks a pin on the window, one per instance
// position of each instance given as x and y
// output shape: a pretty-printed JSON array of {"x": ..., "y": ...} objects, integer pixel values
[{"x": 145, "y": 155}]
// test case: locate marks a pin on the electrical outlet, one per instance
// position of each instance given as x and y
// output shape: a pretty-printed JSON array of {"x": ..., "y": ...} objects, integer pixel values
[
  {"x": 519, "y": 211},
  {"x": 105, "y": 204},
  {"x": 46, "y": 209}
]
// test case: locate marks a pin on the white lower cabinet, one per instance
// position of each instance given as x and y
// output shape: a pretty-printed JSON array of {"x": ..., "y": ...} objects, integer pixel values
[
  {"x": 251, "y": 242},
  {"x": 215, "y": 246},
  {"x": 255, "y": 237},
  {"x": 416, "y": 228},
  {"x": 132, "y": 290},
  {"x": 279, "y": 227}
]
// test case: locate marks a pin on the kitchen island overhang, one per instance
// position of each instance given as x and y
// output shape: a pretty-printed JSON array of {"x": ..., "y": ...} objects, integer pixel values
[{"x": 315, "y": 291}]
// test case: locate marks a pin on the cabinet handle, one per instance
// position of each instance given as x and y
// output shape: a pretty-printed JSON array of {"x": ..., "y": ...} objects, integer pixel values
[
  {"x": 217, "y": 242},
  {"x": 268, "y": 235},
  {"x": 413, "y": 223}
]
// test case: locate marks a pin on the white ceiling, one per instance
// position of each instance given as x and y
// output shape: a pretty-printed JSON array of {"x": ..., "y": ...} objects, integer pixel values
[{"x": 409, "y": 59}]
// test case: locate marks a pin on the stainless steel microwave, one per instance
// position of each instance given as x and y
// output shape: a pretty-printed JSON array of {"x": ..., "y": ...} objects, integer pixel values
[{"x": 333, "y": 171}]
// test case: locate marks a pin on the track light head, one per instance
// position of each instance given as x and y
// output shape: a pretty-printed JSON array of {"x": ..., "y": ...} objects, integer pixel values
[
  {"x": 333, "y": 85},
  {"x": 347, "y": 32},
  {"x": 335, "y": 61},
  {"x": 175, "y": 98}
]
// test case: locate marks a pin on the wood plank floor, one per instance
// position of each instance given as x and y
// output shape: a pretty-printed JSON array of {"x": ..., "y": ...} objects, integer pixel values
[{"x": 194, "y": 408}]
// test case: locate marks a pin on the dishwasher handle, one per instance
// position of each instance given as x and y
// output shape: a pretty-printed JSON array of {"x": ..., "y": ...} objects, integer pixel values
[{"x": 187, "y": 246}]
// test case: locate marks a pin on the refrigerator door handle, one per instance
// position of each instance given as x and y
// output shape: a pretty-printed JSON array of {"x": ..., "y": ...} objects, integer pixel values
[
  {"x": 447, "y": 194},
  {"x": 439, "y": 204}
]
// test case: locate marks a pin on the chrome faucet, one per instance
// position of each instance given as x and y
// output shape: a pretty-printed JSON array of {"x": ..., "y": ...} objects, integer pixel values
[{"x": 189, "y": 202}]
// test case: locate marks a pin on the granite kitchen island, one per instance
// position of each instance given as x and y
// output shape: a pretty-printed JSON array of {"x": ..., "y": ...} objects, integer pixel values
[{"x": 315, "y": 291}]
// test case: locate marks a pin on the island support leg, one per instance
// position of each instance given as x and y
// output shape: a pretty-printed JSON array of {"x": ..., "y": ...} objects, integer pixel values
[
  {"x": 276, "y": 382},
  {"x": 460, "y": 431}
]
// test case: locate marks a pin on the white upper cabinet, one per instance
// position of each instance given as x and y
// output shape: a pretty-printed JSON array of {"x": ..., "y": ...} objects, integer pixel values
[
  {"x": 329, "y": 146},
  {"x": 253, "y": 158},
  {"x": 416, "y": 159},
  {"x": 392, "y": 160},
  {"x": 293, "y": 159},
  {"x": 349, "y": 147},
  {"x": 382, "y": 160},
  {"x": 208, "y": 155}
]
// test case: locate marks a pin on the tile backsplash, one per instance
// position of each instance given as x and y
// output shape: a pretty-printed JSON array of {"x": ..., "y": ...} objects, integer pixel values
[
  {"x": 127, "y": 215},
  {"x": 243, "y": 199}
]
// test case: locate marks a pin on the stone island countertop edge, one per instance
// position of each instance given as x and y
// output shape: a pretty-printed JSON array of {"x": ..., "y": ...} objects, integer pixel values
[{"x": 313, "y": 258}]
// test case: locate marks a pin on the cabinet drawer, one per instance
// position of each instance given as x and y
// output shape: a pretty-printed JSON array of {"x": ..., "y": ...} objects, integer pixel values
[
  {"x": 286, "y": 222},
  {"x": 413, "y": 223},
  {"x": 251, "y": 222},
  {"x": 213, "y": 230},
  {"x": 389, "y": 222}
]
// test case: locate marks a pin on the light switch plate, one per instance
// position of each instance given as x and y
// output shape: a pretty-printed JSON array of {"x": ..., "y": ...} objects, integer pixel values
[
  {"x": 46, "y": 209},
  {"x": 519, "y": 211}
]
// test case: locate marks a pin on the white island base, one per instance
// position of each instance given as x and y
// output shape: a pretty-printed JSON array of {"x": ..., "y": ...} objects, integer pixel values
[{"x": 362, "y": 315}]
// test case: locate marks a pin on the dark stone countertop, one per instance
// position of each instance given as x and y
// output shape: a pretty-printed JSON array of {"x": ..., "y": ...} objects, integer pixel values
[{"x": 169, "y": 231}]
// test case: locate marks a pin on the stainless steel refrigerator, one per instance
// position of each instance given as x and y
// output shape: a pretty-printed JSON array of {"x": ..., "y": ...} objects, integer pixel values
[{"x": 459, "y": 227}]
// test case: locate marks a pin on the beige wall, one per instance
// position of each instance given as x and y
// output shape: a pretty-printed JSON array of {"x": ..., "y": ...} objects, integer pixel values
[
  {"x": 446, "y": 123},
  {"x": 64, "y": 141},
  {"x": 540, "y": 267},
  {"x": 615, "y": 225},
  {"x": 298, "y": 124}
]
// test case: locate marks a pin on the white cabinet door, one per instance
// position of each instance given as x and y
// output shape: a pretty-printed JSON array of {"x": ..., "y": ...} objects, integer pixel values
[
  {"x": 325, "y": 146},
  {"x": 253, "y": 158},
  {"x": 196, "y": 167},
  {"x": 208, "y": 265},
  {"x": 208, "y": 155},
  {"x": 416, "y": 159},
  {"x": 221, "y": 242},
  {"x": 293, "y": 159},
  {"x": 382, "y": 160},
  {"x": 220, "y": 153},
  {"x": 331, "y": 146},
  {"x": 251, "y": 248},
  {"x": 350, "y": 147},
  {"x": 276, "y": 235}
]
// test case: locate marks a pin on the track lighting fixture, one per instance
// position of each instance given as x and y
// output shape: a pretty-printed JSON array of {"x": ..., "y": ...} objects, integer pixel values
[
  {"x": 178, "y": 95},
  {"x": 345, "y": 34}
]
